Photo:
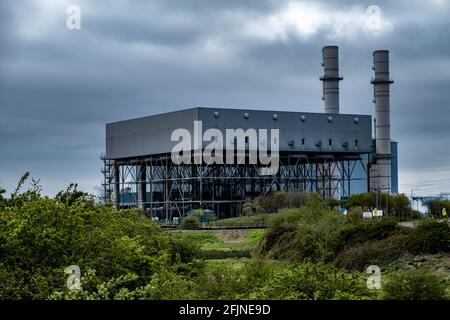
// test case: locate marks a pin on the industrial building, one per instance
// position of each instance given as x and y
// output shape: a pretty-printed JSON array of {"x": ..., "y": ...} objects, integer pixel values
[{"x": 330, "y": 153}]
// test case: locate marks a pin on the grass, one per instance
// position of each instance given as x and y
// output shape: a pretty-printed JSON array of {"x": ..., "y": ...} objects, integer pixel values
[
  {"x": 259, "y": 220},
  {"x": 238, "y": 263},
  {"x": 223, "y": 244}
]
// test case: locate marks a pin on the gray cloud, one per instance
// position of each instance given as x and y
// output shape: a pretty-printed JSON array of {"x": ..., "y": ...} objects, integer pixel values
[{"x": 133, "y": 58}]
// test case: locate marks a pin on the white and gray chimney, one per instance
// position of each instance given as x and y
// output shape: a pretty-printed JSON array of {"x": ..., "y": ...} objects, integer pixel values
[
  {"x": 331, "y": 78},
  {"x": 381, "y": 174}
]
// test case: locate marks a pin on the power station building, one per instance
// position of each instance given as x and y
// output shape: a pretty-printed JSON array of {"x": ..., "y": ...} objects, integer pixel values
[{"x": 329, "y": 153}]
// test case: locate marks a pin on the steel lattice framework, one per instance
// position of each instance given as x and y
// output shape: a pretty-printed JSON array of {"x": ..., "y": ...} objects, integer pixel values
[{"x": 167, "y": 190}]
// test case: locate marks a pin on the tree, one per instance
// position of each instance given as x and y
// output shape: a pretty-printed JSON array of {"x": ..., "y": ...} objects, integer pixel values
[
  {"x": 435, "y": 207},
  {"x": 121, "y": 250},
  {"x": 70, "y": 195},
  {"x": 2, "y": 198},
  {"x": 394, "y": 205}
]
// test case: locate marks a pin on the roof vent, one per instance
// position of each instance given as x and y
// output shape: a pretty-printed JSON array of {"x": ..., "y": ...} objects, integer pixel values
[
  {"x": 275, "y": 116},
  {"x": 216, "y": 114},
  {"x": 246, "y": 115}
]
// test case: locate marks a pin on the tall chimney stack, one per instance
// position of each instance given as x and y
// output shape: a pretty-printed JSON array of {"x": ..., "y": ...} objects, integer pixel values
[
  {"x": 381, "y": 84},
  {"x": 331, "y": 78}
]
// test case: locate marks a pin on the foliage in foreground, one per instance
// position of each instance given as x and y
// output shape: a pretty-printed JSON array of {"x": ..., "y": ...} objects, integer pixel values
[
  {"x": 415, "y": 285},
  {"x": 40, "y": 237},
  {"x": 124, "y": 255},
  {"x": 317, "y": 233}
]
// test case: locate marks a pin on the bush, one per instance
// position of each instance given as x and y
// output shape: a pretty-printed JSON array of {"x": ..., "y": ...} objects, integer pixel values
[
  {"x": 430, "y": 236},
  {"x": 374, "y": 252},
  {"x": 117, "y": 251},
  {"x": 279, "y": 200},
  {"x": 362, "y": 231},
  {"x": 183, "y": 250},
  {"x": 306, "y": 232},
  {"x": 310, "y": 281},
  {"x": 414, "y": 285},
  {"x": 234, "y": 281},
  {"x": 190, "y": 223},
  {"x": 204, "y": 216},
  {"x": 257, "y": 220},
  {"x": 252, "y": 208}
]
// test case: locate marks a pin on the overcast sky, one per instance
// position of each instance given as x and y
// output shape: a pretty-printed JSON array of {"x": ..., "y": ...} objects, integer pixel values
[{"x": 58, "y": 87}]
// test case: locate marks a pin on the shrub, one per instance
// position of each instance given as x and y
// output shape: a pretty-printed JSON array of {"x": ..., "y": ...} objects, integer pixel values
[
  {"x": 252, "y": 208},
  {"x": 190, "y": 223},
  {"x": 166, "y": 285},
  {"x": 354, "y": 215},
  {"x": 277, "y": 243},
  {"x": 204, "y": 216},
  {"x": 183, "y": 250},
  {"x": 306, "y": 232},
  {"x": 430, "y": 236},
  {"x": 118, "y": 251},
  {"x": 312, "y": 212},
  {"x": 234, "y": 281},
  {"x": 362, "y": 231},
  {"x": 308, "y": 281},
  {"x": 377, "y": 252},
  {"x": 257, "y": 220},
  {"x": 414, "y": 285},
  {"x": 278, "y": 200}
]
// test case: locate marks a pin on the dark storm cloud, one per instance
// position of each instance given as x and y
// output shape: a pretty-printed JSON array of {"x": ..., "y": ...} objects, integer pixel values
[{"x": 133, "y": 58}]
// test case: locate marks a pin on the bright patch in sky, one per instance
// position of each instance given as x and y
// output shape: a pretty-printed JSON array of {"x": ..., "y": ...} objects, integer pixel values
[{"x": 305, "y": 19}]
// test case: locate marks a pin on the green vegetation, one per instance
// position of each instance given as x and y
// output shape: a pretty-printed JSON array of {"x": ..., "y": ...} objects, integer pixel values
[
  {"x": 317, "y": 233},
  {"x": 430, "y": 236},
  {"x": 40, "y": 237},
  {"x": 415, "y": 285},
  {"x": 271, "y": 203},
  {"x": 222, "y": 244},
  {"x": 395, "y": 205},
  {"x": 257, "y": 221},
  {"x": 310, "y": 281},
  {"x": 190, "y": 223},
  {"x": 435, "y": 207},
  {"x": 309, "y": 251}
]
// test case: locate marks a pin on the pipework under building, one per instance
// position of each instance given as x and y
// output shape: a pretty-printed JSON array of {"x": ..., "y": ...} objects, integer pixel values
[{"x": 330, "y": 153}]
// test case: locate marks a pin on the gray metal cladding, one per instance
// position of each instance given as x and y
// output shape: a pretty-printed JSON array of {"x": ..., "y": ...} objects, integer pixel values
[{"x": 299, "y": 131}]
